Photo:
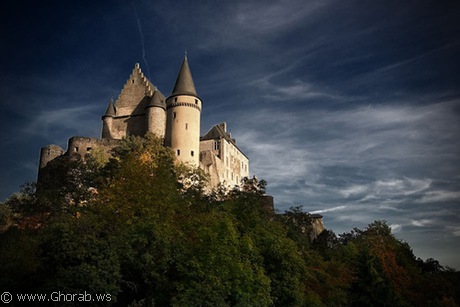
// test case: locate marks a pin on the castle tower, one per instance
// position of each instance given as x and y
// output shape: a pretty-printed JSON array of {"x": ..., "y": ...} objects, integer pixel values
[
  {"x": 47, "y": 154},
  {"x": 183, "y": 118},
  {"x": 107, "y": 120},
  {"x": 156, "y": 114}
]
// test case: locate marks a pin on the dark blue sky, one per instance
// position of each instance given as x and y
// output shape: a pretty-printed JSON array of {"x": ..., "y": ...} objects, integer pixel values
[{"x": 350, "y": 108}]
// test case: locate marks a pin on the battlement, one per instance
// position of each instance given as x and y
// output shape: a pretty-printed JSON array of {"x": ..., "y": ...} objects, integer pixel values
[{"x": 83, "y": 145}]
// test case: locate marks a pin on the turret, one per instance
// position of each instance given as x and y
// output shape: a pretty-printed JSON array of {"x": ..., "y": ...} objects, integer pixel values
[
  {"x": 155, "y": 113},
  {"x": 183, "y": 118},
  {"x": 47, "y": 154},
  {"x": 107, "y": 121}
]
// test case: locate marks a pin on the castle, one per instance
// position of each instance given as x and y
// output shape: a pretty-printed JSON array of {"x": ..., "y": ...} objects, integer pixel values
[{"x": 141, "y": 108}]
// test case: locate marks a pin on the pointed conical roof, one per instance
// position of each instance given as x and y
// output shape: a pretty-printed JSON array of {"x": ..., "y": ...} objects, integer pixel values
[
  {"x": 158, "y": 100},
  {"x": 184, "y": 83},
  {"x": 110, "y": 112}
]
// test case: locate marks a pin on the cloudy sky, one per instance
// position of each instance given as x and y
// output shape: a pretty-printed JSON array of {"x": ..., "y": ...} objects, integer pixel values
[{"x": 349, "y": 108}]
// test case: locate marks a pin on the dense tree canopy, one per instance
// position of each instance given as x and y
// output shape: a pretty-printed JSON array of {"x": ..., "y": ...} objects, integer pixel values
[{"x": 139, "y": 227}]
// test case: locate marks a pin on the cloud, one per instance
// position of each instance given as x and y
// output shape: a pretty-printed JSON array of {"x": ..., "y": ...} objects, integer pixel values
[
  {"x": 421, "y": 223},
  {"x": 455, "y": 230},
  {"x": 396, "y": 228},
  {"x": 251, "y": 25},
  {"x": 293, "y": 92},
  {"x": 390, "y": 188},
  {"x": 439, "y": 196},
  {"x": 51, "y": 124},
  {"x": 361, "y": 163},
  {"x": 329, "y": 209}
]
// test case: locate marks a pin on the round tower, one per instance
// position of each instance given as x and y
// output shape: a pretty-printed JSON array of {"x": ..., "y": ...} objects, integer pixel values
[
  {"x": 47, "y": 154},
  {"x": 156, "y": 115},
  {"x": 107, "y": 120},
  {"x": 183, "y": 118}
]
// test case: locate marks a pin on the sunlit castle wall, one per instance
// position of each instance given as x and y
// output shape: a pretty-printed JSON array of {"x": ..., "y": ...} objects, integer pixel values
[{"x": 183, "y": 127}]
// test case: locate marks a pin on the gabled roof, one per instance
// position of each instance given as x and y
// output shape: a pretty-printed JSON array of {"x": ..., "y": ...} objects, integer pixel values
[
  {"x": 219, "y": 132},
  {"x": 110, "y": 112},
  {"x": 184, "y": 83},
  {"x": 158, "y": 100}
]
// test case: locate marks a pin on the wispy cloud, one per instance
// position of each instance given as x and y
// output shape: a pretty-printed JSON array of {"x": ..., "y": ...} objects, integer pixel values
[
  {"x": 421, "y": 223},
  {"x": 329, "y": 209},
  {"x": 455, "y": 230},
  {"x": 297, "y": 90},
  {"x": 439, "y": 196},
  {"x": 51, "y": 124}
]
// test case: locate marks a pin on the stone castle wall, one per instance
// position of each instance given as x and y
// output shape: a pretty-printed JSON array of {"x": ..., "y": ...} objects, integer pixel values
[
  {"x": 49, "y": 153},
  {"x": 83, "y": 145}
]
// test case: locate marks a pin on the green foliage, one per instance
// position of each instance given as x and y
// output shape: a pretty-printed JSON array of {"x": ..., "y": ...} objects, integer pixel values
[
  {"x": 80, "y": 256},
  {"x": 141, "y": 228},
  {"x": 6, "y": 217},
  {"x": 21, "y": 267}
]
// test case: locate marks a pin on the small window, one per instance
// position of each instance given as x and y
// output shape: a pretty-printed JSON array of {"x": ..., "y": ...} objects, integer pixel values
[
  {"x": 133, "y": 81},
  {"x": 88, "y": 149},
  {"x": 192, "y": 153},
  {"x": 196, "y": 101},
  {"x": 175, "y": 99},
  {"x": 186, "y": 126},
  {"x": 178, "y": 152},
  {"x": 174, "y": 114},
  {"x": 76, "y": 149}
]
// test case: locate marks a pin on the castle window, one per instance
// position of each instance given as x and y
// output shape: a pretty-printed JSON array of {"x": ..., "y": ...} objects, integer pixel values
[
  {"x": 186, "y": 126},
  {"x": 133, "y": 81},
  {"x": 192, "y": 153},
  {"x": 175, "y": 99},
  {"x": 216, "y": 145},
  {"x": 76, "y": 149},
  {"x": 174, "y": 114},
  {"x": 196, "y": 101},
  {"x": 88, "y": 149},
  {"x": 178, "y": 152}
]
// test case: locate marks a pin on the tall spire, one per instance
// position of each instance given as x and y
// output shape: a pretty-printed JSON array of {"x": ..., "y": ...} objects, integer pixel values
[{"x": 184, "y": 83}]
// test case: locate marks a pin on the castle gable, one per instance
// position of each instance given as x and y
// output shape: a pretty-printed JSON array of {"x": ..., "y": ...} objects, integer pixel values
[{"x": 135, "y": 95}]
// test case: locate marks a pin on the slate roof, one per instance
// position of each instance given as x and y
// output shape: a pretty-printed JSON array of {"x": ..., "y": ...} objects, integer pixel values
[
  {"x": 110, "y": 110},
  {"x": 158, "y": 100},
  {"x": 184, "y": 83}
]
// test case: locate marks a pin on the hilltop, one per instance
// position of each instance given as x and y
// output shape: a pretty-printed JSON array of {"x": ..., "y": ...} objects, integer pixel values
[{"x": 137, "y": 226}]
